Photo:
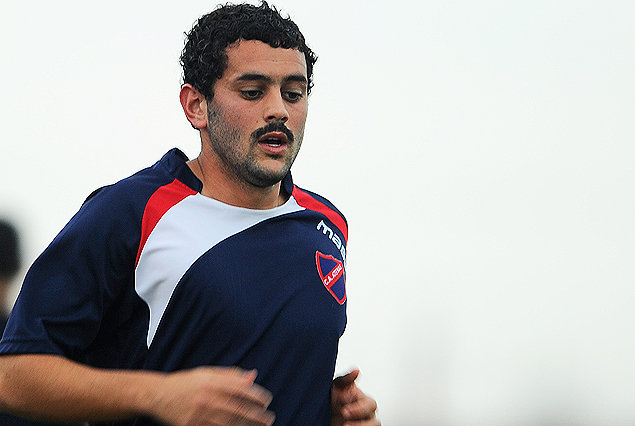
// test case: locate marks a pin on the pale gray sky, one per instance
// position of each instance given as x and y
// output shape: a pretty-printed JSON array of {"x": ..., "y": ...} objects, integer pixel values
[{"x": 483, "y": 152}]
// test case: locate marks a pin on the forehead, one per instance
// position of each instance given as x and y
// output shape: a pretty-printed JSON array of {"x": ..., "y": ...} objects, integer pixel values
[{"x": 254, "y": 56}]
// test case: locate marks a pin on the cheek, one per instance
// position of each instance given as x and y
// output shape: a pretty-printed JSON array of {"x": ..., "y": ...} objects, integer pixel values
[
  {"x": 299, "y": 119},
  {"x": 240, "y": 122},
  {"x": 235, "y": 112}
]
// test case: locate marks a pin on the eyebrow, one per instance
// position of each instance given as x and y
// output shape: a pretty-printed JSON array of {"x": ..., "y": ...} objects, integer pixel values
[{"x": 261, "y": 77}]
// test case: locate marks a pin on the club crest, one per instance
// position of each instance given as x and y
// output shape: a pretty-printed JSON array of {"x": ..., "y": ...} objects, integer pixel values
[{"x": 331, "y": 272}]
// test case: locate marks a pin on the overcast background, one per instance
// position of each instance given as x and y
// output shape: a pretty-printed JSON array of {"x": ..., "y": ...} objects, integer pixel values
[{"x": 483, "y": 152}]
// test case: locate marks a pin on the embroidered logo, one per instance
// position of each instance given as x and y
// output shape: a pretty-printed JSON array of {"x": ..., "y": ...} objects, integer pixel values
[{"x": 331, "y": 272}]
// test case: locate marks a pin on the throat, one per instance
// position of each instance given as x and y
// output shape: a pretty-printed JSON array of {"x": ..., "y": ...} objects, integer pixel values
[{"x": 235, "y": 192}]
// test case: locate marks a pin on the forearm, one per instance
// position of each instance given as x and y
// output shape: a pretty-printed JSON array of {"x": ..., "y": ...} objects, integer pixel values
[{"x": 53, "y": 388}]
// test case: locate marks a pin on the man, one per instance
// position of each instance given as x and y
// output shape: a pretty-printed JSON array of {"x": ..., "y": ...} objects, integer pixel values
[{"x": 197, "y": 292}]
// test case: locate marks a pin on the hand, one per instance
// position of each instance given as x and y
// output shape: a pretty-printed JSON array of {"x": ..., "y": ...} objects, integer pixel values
[
  {"x": 213, "y": 396},
  {"x": 350, "y": 406}
]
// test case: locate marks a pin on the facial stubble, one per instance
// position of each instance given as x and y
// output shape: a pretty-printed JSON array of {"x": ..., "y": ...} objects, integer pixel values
[{"x": 242, "y": 162}]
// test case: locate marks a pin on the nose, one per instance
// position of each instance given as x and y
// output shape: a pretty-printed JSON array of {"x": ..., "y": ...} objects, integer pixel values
[{"x": 275, "y": 108}]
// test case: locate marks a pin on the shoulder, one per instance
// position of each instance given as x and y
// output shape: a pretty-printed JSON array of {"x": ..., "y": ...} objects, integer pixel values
[
  {"x": 134, "y": 191},
  {"x": 313, "y": 199},
  {"x": 119, "y": 207},
  {"x": 315, "y": 202}
]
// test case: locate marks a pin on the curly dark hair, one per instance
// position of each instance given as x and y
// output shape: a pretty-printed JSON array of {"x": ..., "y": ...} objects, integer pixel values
[{"x": 204, "y": 57}]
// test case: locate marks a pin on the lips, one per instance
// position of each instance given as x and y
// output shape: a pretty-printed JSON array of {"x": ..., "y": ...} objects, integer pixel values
[
  {"x": 274, "y": 139},
  {"x": 274, "y": 143}
]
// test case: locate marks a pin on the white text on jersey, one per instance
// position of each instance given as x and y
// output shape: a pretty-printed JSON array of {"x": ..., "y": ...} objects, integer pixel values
[{"x": 333, "y": 237}]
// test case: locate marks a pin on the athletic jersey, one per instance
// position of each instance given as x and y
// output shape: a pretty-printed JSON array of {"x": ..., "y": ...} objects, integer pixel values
[{"x": 150, "y": 274}]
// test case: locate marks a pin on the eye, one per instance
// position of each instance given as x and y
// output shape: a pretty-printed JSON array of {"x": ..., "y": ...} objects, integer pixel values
[
  {"x": 292, "y": 96},
  {"x": 251, "y": 94}
]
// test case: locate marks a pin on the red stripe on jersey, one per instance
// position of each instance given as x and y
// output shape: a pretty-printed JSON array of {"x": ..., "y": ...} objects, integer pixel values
[
  {"x": 159, "y": 203},
  {"x": 308, "y": 202}
]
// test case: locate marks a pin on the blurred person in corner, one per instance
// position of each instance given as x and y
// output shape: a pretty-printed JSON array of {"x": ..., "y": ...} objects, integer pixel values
[{"x": 10, "y": 264}]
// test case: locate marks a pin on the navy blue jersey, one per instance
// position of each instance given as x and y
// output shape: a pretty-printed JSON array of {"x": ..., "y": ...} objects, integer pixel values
[{"x": 150, "y": 274}]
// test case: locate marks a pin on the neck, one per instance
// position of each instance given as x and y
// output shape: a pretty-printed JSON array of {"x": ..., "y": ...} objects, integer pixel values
[{"x": 218, "y": 186}]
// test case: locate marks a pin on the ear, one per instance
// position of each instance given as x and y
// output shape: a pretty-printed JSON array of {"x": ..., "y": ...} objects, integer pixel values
[{"x": 194, "y": 105}]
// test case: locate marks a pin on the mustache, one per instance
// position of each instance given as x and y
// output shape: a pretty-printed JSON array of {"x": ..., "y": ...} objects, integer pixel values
[{"x": 275, "y": 126}]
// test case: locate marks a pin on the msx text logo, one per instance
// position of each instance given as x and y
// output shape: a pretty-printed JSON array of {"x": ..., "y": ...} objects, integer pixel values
[{"x": 333, "y": 237}]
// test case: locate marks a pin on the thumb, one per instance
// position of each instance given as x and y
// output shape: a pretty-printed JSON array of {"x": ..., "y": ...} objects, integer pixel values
[{"x": 346, "y": 380}]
